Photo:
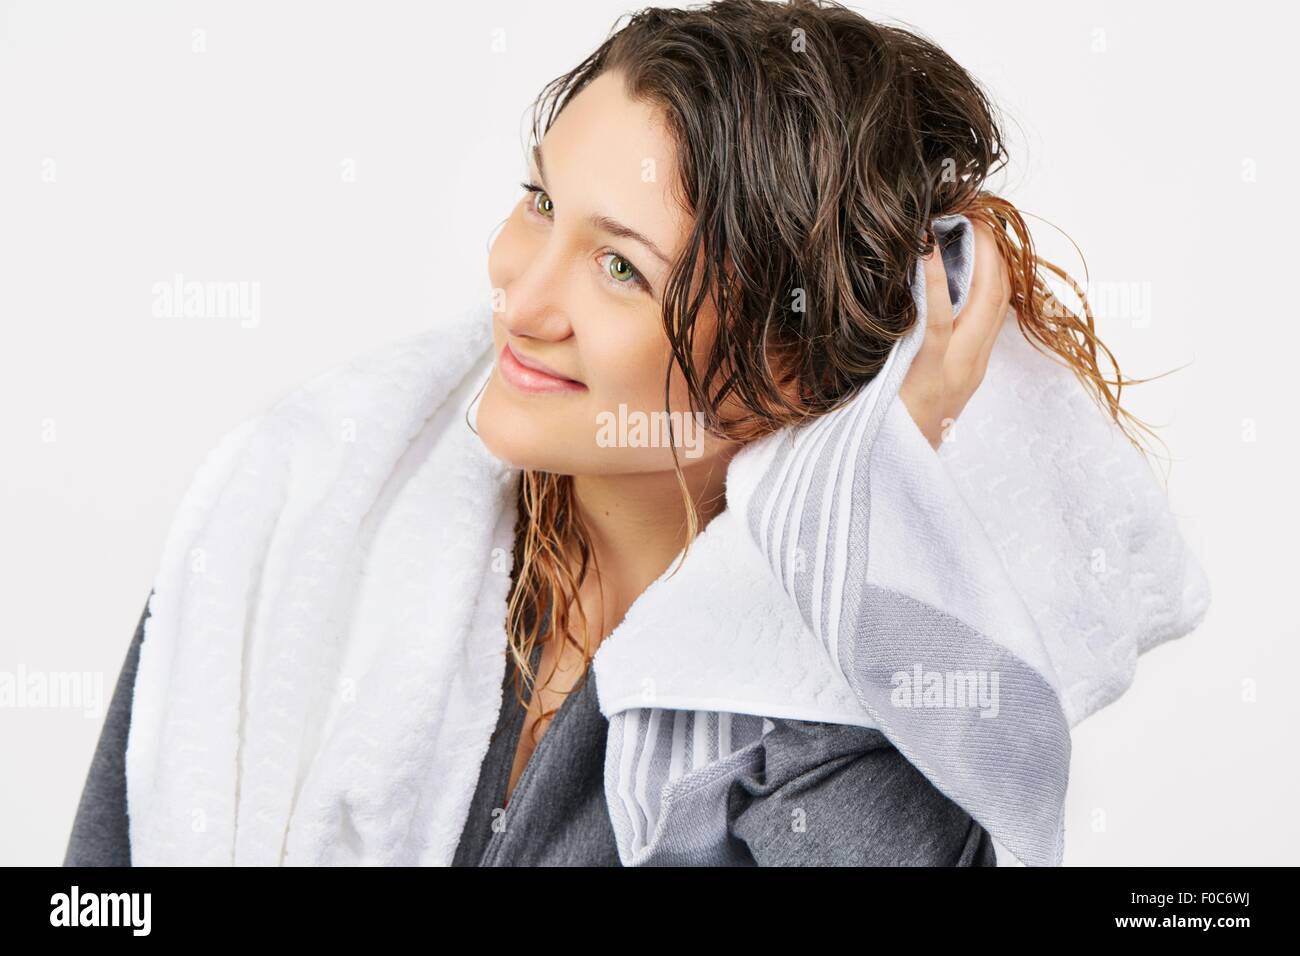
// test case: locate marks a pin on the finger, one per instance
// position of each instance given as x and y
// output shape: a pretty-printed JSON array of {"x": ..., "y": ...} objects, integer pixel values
[
  {"x": 980, "y": 319},
  {"x": 938, "y": 303},
  {"x": 1003, "y": 307},
  {"x": 987, "y": 348},
  {"x": 938, "y": 319}
]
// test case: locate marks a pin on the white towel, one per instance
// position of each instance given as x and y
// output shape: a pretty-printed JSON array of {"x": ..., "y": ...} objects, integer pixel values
[{"x": 322, "y": 664}]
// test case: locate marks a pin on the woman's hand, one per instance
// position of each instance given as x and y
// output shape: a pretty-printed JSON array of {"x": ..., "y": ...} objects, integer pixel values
[{"x": 955, "y": 353}]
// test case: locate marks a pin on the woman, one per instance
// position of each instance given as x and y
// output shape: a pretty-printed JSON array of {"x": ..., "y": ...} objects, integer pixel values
[{"x": 724, "y": 211}]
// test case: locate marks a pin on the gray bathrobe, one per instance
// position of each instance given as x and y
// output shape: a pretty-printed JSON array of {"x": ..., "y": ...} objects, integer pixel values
[{"x": 825, "y": 795}]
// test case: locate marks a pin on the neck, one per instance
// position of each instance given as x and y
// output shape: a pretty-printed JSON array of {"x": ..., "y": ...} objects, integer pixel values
[{"x": 638, "y": 524}]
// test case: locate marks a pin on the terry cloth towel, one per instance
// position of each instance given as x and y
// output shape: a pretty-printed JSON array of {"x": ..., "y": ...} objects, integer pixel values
[{"x": 321, "y": 667}]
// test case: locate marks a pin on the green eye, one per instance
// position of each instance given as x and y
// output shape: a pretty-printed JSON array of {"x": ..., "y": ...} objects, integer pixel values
[
  {"x": 542, "y": 204},
  {"x": 620, "y": 269}
]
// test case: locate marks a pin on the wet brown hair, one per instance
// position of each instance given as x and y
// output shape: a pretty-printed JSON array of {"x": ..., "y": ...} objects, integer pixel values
[{"x": 814, "y": 148}]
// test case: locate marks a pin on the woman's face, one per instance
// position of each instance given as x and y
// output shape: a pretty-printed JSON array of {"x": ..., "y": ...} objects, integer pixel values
[{"x": 578, "y": 274}]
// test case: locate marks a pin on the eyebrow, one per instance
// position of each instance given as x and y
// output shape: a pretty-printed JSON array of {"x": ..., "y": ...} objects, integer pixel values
[{"x": 606, "y": 223}]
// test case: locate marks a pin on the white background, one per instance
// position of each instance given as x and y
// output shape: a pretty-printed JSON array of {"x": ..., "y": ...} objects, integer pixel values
[{"x": 1160, "y": 136}]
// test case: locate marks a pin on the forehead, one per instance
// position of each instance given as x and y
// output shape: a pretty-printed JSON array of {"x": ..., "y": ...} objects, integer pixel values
[{"x": 609, "y": 155}]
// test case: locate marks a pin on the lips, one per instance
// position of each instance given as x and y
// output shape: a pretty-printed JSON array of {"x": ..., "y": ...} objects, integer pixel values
[{"x": 532, "y": 377}]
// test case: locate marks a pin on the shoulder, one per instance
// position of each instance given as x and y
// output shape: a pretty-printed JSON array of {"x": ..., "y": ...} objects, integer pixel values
[
  {"x": 100, "y": 835},
  {"x": 841, "y": 795}
]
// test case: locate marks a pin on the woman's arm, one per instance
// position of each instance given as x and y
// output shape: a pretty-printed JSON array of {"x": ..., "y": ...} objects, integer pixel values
[
  {"x": 100, "y": 836},
  {"x": 837, "y": 795}
]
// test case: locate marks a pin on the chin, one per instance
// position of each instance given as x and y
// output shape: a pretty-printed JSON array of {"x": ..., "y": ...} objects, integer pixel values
[
  {"x": 517, "y": 454},
  {"x": 517, "y": 438}
]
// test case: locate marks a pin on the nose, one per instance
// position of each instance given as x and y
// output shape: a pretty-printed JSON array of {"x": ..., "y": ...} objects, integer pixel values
[{"x": 533, "y": 305}]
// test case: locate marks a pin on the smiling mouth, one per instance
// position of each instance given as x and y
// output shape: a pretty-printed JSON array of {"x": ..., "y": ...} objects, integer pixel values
[{"x": 532, "y": 377}]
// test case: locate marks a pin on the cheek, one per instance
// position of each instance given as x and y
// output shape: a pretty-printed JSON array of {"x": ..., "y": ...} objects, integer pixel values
[
  {"x": 632, "y": 367},
  {"x": 628, "y": 365}
]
